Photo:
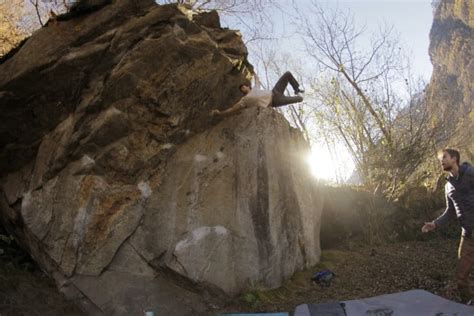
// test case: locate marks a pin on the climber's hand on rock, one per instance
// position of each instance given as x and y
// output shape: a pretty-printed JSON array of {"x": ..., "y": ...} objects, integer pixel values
[
  {"x": 429, "y": 226},
  {"x": 215, "y": 112}
]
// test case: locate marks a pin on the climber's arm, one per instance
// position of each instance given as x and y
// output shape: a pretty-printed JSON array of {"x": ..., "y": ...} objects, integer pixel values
[{"x": 233, "y": 109}]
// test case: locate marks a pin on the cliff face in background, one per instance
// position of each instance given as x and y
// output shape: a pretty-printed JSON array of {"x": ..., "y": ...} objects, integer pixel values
[
  {"x": 122, "y": 187},
  {"x": 450, "y": 105},
  {"x": 449, "y": 98},
  {"x": 451, "y": 89}
]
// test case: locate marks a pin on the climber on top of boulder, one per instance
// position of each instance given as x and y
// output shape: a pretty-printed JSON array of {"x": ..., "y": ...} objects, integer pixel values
[{"x": 265, "y": 98}]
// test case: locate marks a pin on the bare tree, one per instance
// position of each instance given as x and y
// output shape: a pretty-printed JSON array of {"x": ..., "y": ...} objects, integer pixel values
[
  {"x": 34, "y": 3},
  {"x": 252, "y": 17},
  {"x": 223, "y": 6},
  {"x": 332, "y": 40},
  {"x": 367, "y": 95},
  {"x": 19, "y": 19}
]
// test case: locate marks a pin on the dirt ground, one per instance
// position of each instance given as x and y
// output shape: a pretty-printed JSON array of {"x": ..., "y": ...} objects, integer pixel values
[
  {"x": 24, "y": 288},
  {"x": 31, "y": 293},
  {"x": 363, "y": 271}
]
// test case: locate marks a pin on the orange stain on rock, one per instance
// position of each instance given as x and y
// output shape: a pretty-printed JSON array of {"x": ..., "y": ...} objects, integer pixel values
[{"x": 107, "y": 209}]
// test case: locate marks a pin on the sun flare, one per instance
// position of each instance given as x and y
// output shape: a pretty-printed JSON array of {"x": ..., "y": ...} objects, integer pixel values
[{"x": 324, "y": 167}]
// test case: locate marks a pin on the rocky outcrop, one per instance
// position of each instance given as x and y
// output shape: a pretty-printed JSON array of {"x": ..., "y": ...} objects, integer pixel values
[
  {"x": 122, "y": 187},
  {"x": 449, "y": 99},
  {"x": 450, "y": 93},
  {"x": 239, "y": 193}
]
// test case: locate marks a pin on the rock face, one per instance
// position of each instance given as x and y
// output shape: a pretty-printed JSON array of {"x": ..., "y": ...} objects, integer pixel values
[
  {"x": 234, "y": 206},
  {"x": 122, "y": 187},
  {"x": 450, "y": 93},
  {"x": 449, "y": 97}
]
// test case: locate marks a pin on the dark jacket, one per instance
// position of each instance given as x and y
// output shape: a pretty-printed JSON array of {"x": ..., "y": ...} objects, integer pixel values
[{"x": 460, "y": 200}]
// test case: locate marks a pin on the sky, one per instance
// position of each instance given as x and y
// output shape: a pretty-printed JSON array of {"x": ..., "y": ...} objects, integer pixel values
[{"x": 411, "y": 20}]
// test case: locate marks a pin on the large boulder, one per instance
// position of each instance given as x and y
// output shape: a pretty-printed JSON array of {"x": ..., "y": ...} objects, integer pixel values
[
  {"x": 235, "y": 206},
  {"x": 120, "y": 185}
]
